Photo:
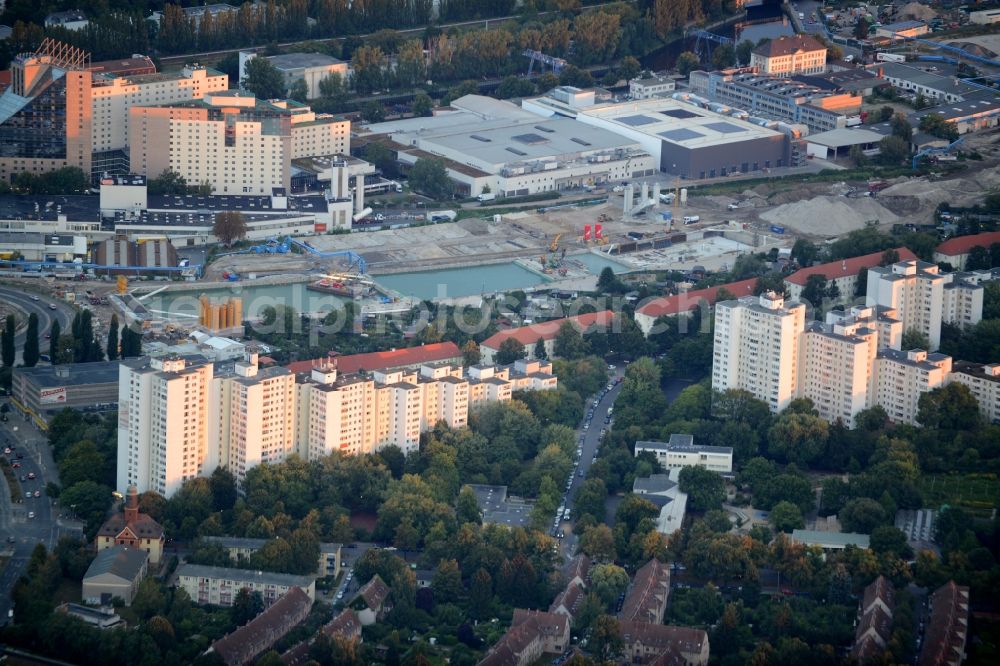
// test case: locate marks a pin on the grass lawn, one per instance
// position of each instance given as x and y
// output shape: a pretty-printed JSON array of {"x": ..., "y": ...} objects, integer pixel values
[{"x": 977, "y": 492}]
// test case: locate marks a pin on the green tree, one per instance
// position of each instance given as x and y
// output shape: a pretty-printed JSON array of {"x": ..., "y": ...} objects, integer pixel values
[
  {"x": 608, "y": 581},
  {"x": 263, "y": 79},
  {"x": 481, "y": 593},
  {"x": 901, "y": 127},
  {"x": 890, "y": 540},
  {"x": 979, "y": 259},
  {"x": 149, "y": 599},
  {"x": 422, "y": 105},
  {"x": 54, "y": 333},
  {"x": 606, "y": 639},
  {"x": 299, "y": 91},
  {"x": 805, "y": 252},
  {"x": 230, "y": 226},
  {"x": 168, "y": 182},
  {"x": 893, "y": 150},
  {"x": 447, "y": 581},
  {"x": 936, "y": 125},
  {"x": 724, "y": 56},
  {"x": 467, "y": 510},
  {"x": 112, "y": 346},
  {"x": 914, "y": 339},
  {"x": 429, "y": 176},
  {"x": 608, "y": 282},
  {"x": 470, "y": 353},
  {"x": 509, "y": 351},
  {"x": 540, "y": 352},
  {"x": 786, "y": 517},
  {"x": 569, "y": 343},
  {"x": 30, "y": 354},
  {"x": 862, "y": 515},
  {"x": 743, "y": 51},
  {"x": 599, "y": 543},
  {"x": 373, "y": 112},
  {"x": 797, "y": 437},
  {"x": 246, "y": 606},
  {"x": 686, "y": 62},
  {"x": 89, "y": 501},
  {"x": 950, "y": 407},
  {"x": 705, "y": 489},
  {"x": 7, "y": 350},
  {"x": 861, "y": 28}
]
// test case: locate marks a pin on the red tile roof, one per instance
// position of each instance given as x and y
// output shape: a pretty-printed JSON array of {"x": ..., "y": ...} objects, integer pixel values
[
  {"x": 947, "y": 629},
  {"x": 690, "y": 300},
  {"x": 346, "y": 625},
  {"x": 962, "y": 244},
  {"x": 783, "y": 46},
  {"x": 662, "y": 637},
  {"x": 527, "y": 628},
  {"x": 844, "y": 267},
  {"x": 646, "y": 601},
  {"x": 546, "y": 330},
  {"x": 374, "y": 592},
  {"x": 397, "y": 358},
  {"x": 259, "y": 634},
  {"x": 882, "y": 589}
]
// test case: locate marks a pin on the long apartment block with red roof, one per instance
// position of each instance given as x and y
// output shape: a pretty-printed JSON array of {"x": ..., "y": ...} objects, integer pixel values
[
  {"x": 547, "y": 331},
  {"x": 955, "y": 251},
  {"x": 842, "y": 273},
  {"x": 688, "y": 301}
]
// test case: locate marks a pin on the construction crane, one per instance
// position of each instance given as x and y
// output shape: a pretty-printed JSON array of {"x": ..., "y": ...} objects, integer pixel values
[
  {"x": 554, "y": 245},
  {"x": 934, "y": 151}
]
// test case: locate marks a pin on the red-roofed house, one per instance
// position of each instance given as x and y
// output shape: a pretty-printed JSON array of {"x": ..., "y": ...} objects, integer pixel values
[
  {"x": 546, "y": 330},
  {"x": 646, "y": 600},
  {"x": 261, "y": 633},
  {"x": 347, "y": 625},
  {"x": 669, "y": 306},
  {"x": 798, "y": 54},
  {"x": 410, "y": 358},
  {"x": 531, "y": 634},
  {"x": 955, "y": 251},
  {"x": 948, "y": 627},
  {"x": 843, "y": 273},
  {"x": 645, "y": 641}
]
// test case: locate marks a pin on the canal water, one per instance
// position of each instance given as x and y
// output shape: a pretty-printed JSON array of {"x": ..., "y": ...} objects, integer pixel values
[{"x": 430, "y": 284}]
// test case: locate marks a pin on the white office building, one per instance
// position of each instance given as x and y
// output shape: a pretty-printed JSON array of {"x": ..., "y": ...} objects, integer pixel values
[{"x": 681, "y": 451}]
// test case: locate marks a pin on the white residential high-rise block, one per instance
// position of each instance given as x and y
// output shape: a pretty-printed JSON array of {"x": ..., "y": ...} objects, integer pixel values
[
  {"x": 261, "y": 416},
  {"x": 903, "y": 376},
  {"x": 984, "y": 383},
  {"x": 757, "y": 347},
  {"x": 163, "y": 423},
  {"x": 838, "y": 367}
]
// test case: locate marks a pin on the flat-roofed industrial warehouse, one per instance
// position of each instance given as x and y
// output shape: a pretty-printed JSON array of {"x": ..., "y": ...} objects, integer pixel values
[
  {"x": 689, "y": 141},
  {"x": 486, "y": 142}
]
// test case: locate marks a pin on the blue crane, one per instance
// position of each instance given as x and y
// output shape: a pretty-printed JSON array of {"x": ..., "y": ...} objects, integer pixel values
[
  {"x": 933, "y": 151},
  {"x": 950, "y": 49},
  {"x": 284, "y": 246}
]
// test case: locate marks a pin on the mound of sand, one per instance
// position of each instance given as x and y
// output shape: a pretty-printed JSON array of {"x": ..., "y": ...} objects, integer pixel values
[
  {"x": 917, "y": 11},
  {"x": 829, "y": 216}
]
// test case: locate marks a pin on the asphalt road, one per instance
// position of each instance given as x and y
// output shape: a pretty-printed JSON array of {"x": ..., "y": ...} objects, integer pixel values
[
  {"x": 45, "y": 526},
  {"x": 591, "y": 441},
  {"x": 46, "y": 315}
]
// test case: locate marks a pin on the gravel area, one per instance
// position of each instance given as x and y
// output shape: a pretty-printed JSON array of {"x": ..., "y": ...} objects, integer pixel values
[{"x": 829, "y": 216}]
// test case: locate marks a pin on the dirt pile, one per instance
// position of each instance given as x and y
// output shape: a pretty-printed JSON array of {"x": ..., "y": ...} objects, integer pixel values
[{"x": 829, "y": 216}]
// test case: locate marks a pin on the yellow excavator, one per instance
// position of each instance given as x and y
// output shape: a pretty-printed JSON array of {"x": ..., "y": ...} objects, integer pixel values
[
  {"x": 122, "y": 285},
  {"x": 554, "y": 245}
]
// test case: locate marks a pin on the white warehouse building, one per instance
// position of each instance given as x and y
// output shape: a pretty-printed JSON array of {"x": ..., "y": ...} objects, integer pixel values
[{"x": 487, "y": 143}]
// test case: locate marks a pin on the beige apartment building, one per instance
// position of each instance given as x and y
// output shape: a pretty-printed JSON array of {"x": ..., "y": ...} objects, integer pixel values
[
  {"x": 757, "y": 347},
  {"x": 984, "y": 383},
  {"x": 182, "y": 417},
  {"x": 903, "y": 376},
  {"x": 61, "y": 112},
  {"x": 356, "y": 414},
  {"x": 234, "y": 142},
  {"x": 923, "y": 297}
]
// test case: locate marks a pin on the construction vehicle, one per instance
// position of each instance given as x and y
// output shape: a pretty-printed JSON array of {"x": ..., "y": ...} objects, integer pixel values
[
  {"x": 122, "y": 285},
  {"x": 554, "y": 245}
]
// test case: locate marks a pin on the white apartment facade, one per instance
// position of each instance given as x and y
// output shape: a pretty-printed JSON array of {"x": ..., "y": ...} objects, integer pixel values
[
  {"x": 356, "y": 414},
  {"x": 163, "y": 423},
  {"x": 681, "y": 451},
  {"x": 757, "y": 347},
  {"x": 182, "y": 417},
  {"x": 218, "y": 586},
  {"x": 923, "y": 297},
  {"x": 903, "y": 376},
  {"x": 984, "y": 383}
]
